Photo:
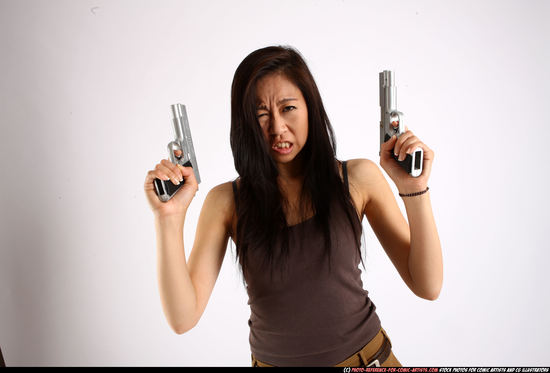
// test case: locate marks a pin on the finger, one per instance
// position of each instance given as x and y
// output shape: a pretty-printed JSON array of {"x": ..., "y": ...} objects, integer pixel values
[
  {"x": 414, "y": 146},
  {"x": 390, "y": 140},
  {"x": 189, "y": 175},
  {"x": 151, "y": 176},
  {"x": 173, "y": 173},
  {"x": 178, "y": 153},
  {"x": 409, "y": 151},
  {"x": 409, "y": 146},
  {"x": 389, "y": 144},
  {"x": 172, "y": 166},
  {"x": 155, "y": 174},
  {"x": 401, "y": 141}
]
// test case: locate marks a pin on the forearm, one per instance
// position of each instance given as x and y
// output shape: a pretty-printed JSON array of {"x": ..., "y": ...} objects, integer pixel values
[
  {"x": 425, "y": 257},
  {"x": 176, "y": 288}
]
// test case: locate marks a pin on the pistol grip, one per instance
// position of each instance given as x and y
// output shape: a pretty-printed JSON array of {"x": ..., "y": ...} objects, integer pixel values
[
  {"x": 165, "y": 189},
  {"x": 405, "y": 163},
  {"x": 415, "y": 169}
]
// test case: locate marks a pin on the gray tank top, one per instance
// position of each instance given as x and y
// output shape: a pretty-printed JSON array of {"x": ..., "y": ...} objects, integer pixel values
[{"x": 308, "y": 316}]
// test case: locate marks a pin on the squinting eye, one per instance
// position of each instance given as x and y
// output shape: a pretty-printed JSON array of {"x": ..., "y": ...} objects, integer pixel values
[
  {"x": 261, "y": 115},
  {"x": 289, "y": 108}
]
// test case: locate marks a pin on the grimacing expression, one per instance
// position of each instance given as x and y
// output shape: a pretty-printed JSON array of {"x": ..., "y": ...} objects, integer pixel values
[{"x": 282, "y": 114}]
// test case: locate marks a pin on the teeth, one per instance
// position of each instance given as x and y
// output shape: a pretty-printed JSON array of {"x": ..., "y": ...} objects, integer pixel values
[{"x": 282, "y": 145}]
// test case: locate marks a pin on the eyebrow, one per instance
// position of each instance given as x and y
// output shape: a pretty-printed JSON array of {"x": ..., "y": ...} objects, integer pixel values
[{"x": 282, "y": 101}]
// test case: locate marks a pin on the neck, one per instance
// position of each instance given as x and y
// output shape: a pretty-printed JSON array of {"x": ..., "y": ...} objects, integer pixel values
[
  {"x": 291, "y": 181},
  {"x": 291, "y": 173}
]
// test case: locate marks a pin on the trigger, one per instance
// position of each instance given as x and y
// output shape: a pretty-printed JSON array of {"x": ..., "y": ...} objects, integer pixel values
[{"x": 394, "y": 120}]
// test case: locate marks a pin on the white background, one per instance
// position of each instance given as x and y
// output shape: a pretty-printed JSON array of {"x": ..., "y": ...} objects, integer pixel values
[{"x": 84, "y": 107}]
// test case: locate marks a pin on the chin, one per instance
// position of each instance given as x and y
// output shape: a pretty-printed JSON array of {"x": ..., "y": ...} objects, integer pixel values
[{"x": 285, "y": 158}]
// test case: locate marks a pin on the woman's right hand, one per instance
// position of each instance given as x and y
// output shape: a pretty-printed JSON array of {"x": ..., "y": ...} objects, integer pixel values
[{"x": 178, "y": 204}]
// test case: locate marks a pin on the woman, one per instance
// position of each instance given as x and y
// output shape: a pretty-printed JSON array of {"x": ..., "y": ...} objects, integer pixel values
[{"x": 295, "y": 216}]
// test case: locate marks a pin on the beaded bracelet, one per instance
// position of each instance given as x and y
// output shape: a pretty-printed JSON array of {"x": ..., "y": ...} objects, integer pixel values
[{"x": 414, "y": 194}]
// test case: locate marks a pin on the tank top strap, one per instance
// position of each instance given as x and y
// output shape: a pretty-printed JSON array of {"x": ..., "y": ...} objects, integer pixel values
[
  {"x": 234, "y": 183},
  {"x": 345, "y": 173}
]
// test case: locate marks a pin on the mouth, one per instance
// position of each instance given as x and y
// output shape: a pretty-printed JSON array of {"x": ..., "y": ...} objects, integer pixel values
[{"x": 282, "y": 147}]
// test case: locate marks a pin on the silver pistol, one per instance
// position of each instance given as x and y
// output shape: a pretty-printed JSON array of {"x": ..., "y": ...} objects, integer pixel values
[
  {"x": 183, "y": 141},
  {"x": 391, "y": 123}
]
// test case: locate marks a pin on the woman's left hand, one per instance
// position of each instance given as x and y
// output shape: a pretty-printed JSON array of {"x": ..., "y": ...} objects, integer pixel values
[{"x": 406, "y": 144}]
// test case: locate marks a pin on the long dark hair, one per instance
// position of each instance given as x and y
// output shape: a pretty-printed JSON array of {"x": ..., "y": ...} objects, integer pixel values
[{"x": 260, "y": 204}]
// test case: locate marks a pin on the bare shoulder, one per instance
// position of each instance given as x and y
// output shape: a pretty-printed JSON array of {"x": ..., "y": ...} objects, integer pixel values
[
  {"x": 364, "y": 177},
  {"x": 363, "y": 170},
  {"x": 221, "y": 199}
]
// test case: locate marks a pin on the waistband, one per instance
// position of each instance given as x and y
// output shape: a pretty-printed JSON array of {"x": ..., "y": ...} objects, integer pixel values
[{"x": 374, "y": 353}]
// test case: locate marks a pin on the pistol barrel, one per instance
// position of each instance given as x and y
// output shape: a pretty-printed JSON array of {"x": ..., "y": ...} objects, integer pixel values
[
  {"x": 179, "y": 116},
  {"x": 388, "y": 91},
  {"x": 182, "y": 134},
  {"x": 391, "y": 123}
]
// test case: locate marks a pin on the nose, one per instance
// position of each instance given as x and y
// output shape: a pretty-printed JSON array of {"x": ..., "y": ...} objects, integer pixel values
[{"x": 278, "y": 125}]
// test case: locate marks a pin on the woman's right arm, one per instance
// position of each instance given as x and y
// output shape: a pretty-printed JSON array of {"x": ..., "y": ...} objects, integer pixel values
[{"x": 186, "y": 285}]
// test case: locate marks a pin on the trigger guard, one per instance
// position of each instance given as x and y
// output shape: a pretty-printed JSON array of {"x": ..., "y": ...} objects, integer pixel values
[
  {"x": 173, "y": 146},
  {"x": 394, "y": 117},
  {"x": 400, "y": 126}
]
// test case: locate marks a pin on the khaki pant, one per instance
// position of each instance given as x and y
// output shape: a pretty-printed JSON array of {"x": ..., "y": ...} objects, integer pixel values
[{"x": 361, "y": 357}]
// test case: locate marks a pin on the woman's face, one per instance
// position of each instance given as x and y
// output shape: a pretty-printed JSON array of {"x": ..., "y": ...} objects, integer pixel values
[{"x": 282, "y": 114}]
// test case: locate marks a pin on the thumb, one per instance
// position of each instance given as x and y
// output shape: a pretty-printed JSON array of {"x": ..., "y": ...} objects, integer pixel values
[{"x": 187, "y": 172}]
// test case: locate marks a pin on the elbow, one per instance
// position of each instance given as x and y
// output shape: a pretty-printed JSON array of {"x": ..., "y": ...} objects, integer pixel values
[
  {"x": 180, "y": 331},
  {"x": 427, "y": 292},
  {"x": 182, "y": 322},
  {"x": 432, "y": 294},
  {"x": 183, "y": 328}
]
